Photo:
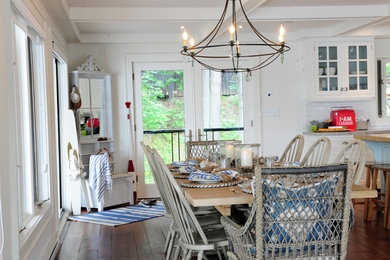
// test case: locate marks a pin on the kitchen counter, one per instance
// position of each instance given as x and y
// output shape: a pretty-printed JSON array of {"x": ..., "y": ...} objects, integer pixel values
[
  {"x": 358, "y": 132},
  {"x": 374, "y": 137}
]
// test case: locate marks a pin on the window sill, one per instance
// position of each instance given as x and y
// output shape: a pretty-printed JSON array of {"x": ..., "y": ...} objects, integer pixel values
[{"x": 34, "y": 222}]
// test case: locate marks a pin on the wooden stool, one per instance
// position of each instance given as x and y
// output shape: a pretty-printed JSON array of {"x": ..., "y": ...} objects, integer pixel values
[
  {"x": 369, "y": 203},
  {"x": 386, "y": 173}
]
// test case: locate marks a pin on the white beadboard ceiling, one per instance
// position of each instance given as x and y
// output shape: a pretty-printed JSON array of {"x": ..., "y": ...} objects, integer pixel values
[{"x": 102, "y": 21}]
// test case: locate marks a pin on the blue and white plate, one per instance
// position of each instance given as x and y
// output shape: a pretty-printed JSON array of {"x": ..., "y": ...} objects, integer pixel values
[
  {"x": 233, "y": 174},
  {"x": 189, "y": 170},
  {"x": 204, "y": 177},
  {"x": 184, "y": 163}
]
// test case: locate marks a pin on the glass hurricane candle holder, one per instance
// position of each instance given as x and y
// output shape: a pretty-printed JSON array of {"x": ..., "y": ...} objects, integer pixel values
[
  {"x": 227, "y": 149},
  {"x": 246, "y": 156}
]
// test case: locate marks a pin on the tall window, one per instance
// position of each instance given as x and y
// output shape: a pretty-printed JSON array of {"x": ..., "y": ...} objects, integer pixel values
[
  {"x": 222, "y": 105},
  {"x": 31, "y": 123}
]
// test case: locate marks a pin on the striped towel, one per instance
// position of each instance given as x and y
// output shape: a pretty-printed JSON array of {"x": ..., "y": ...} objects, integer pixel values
[{"x": 100, "y": 175}]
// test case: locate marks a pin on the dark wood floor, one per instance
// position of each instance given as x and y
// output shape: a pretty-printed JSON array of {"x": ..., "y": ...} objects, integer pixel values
[{"x": 145, "y": 240}]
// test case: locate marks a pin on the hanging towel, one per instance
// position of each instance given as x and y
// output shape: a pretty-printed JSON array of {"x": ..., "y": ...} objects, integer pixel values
[{"x": 100, "y": 175}]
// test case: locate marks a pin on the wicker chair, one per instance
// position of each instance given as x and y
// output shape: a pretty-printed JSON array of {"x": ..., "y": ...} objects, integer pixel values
[
  {"x": 318, "y": 153},
  {"x": 294, "y": 149},
  {"x": 200, "y": 149},
  {"x": 299, "y": 213},
  {"x": 193, "y": 236}
]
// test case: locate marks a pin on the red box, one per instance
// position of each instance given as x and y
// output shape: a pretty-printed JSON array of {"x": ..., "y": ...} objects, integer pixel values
[{"x": 344, "y": 117}]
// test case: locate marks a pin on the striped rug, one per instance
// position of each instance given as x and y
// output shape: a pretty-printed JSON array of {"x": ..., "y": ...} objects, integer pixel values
[{"x": 121, "y": 216}]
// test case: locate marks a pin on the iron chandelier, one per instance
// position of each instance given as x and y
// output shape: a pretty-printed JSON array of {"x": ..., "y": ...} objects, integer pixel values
[{"x": 241, "y": 54}]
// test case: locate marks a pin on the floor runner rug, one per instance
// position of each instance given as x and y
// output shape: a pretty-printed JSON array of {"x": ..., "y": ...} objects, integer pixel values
[{"x": 121, "y": 216}]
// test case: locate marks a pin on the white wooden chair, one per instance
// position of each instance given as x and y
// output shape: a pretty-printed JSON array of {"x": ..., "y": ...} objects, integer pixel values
[
  {"x": 207, "y": 217},
  {"x": 193, "y": 237},
  {"x": 157, "y": 178},
  {"x": 356, "y": 153},
  {"x": 294, "y": 149},
  {"x": 305, "y": 215},
  {"x": 318, "y": 153}
]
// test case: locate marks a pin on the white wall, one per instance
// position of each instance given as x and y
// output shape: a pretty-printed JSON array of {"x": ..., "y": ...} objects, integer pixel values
[{"x": 282, "y": 92}]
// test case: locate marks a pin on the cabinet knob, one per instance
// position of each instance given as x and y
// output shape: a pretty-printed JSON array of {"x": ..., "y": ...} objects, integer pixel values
[{"x": 345, "y": 143}]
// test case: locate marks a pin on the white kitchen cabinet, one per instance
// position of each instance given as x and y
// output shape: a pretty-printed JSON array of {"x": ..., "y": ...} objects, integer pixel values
[
  {"x": 340, "y": 69},
  {"x": 338, "y": 142}
]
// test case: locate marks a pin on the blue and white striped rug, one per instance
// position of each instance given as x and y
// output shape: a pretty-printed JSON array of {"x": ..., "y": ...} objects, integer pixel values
[{"x": 121, "y": 216}]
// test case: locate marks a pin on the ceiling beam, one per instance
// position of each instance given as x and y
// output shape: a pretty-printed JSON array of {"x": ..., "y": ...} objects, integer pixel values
[
  {"x": 94, "y": 14},
  {"x": 130, "y": 37},
  {"x": 319, "y": 13},
  {"x": 348, "y": 27}
]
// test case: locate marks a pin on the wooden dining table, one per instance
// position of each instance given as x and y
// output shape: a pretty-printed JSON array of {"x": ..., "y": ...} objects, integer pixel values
[{"x": 223, "y": 198}]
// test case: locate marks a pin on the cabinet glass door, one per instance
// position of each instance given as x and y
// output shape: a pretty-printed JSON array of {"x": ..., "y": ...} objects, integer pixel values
[
  {"x": 328, "y": 69},
  {"x": 92, "y": 110},
  {"x": 357, "y": 67}
]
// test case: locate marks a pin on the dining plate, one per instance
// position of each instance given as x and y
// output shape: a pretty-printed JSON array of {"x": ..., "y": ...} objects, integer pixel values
[
  {"x": 204, "y": 177},
  {"x": 184, "y": 163}
]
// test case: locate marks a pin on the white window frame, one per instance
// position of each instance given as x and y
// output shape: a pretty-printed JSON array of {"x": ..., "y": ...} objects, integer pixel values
[{"x": 30, "y": 91}]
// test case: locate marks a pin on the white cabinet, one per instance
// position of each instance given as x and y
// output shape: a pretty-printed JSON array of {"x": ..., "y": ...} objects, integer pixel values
[
  {"x": 340, "y": 69},
  {"x": 338, "y": 142},
  {"x": 94, "y": 125},
  {"x": 90, "y": 146},
  {"x": 94, "y": 117}
]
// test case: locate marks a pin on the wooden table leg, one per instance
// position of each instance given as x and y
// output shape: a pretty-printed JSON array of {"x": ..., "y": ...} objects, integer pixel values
[
  {"x": 225, "y": 210},
  {"x": 367, "y": 202}
]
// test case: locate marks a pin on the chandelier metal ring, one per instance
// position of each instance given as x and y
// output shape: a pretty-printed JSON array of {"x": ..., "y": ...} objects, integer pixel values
[{"x": 199, "y": 51}]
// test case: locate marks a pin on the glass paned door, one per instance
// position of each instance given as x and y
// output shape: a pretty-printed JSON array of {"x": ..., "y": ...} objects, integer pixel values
[
  {"x": 328, "y": 68},
  {"x": 357, "y": 67},
  {"x": 161, "y": 92}
]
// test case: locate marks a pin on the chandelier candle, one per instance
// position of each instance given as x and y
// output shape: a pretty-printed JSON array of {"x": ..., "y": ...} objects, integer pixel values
[{"x": 185, "y": 37}]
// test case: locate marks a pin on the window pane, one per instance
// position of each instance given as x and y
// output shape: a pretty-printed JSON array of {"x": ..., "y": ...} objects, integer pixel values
[
  {"x": 323, "y": 69},
  {"x": 322, "y": 53},
  {"x": 323, "y": 84},
  {"x": 387, "y": 92},
  {"x": 352, "y": 52},
  {"x": 362, "y": 52},
  {"x": 163, "y": 114},
  {"x": 352, "y": 83},
  {"x": 222, "y": 105},
  {"x": 363, "y": 67},
  {"x": 363, "y": 83},
  {"x": 333, "y": 53},
  {"x": 352, "y": 67},
  {"x": 332, "y": 68},
  {"x": 333, "y": 84}
]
